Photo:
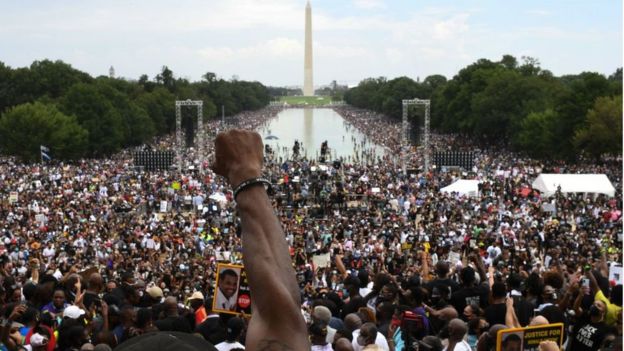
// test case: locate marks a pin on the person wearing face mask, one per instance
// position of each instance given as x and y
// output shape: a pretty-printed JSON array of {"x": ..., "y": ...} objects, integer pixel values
[
  {"x": 590, "y": 330},
  {"x": 351, "y": 295},
  {"x": 368, "y": 335}
]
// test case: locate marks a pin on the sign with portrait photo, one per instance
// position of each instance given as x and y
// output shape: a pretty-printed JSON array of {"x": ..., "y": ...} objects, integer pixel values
[
  {"x": 231, "y": 294},
  {"x": 528, "y": 338}
]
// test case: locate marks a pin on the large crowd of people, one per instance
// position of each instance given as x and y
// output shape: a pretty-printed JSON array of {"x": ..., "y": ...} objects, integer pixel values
[{"x": 96, "y": 252}]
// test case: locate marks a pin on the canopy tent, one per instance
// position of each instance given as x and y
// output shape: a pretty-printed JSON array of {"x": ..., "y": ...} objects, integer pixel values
[
  {"x": 468, "y": 187},
  {"x": 548, "y": 184}
]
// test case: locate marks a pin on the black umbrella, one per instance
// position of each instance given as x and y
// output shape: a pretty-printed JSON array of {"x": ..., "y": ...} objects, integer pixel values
[{"x": 166, "y": 341}]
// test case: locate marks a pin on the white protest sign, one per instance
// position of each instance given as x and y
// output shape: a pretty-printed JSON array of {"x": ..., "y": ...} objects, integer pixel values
[
  {"x": 321, "y": 260},
  {"x": 615, "y": 273},
  {"x": 13, "y": 197},
  {"x": 163, "y": 206}
]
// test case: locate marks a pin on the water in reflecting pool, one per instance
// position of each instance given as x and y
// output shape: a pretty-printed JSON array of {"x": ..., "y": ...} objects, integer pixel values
[{"x": 311, "y": 127}]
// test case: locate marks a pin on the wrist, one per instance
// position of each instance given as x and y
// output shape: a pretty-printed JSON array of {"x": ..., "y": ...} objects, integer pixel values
[{"x": 238, "y": 176}]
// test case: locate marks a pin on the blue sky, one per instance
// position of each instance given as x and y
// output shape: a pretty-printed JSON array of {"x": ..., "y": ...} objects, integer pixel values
[{"x": 353, "y": 39}]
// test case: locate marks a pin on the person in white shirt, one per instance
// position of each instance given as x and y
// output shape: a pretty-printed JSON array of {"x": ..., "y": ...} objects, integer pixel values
[
  {"x": 49, "y": 252},
  {"x": 457, "y": 330},
  {"x": 235, "y": 327},
  {"x": 318, "y": 337},
  {"x": 368, "y": 335}
]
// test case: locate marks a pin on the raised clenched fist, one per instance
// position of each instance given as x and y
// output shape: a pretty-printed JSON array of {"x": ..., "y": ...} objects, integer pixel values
[{"x": 238, "y": 155}]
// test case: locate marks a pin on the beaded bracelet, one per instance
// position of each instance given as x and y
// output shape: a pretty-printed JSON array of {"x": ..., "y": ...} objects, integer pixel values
[{"x": 251, "y": 182}]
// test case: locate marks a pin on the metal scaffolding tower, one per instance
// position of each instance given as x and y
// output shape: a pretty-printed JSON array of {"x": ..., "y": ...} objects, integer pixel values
[
  {"x": 199, "y": 134},
  {"x": 405, "y": 131}
]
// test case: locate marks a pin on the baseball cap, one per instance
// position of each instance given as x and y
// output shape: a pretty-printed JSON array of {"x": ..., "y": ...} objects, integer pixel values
[
  {"x": 73, "y": 312},
  {"x": 197, "y": 295},
  {"x": 155, "y": 292},
  {"x": 37, "y": 340}
]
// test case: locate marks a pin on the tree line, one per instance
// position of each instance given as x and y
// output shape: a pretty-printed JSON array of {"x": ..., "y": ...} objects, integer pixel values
[
  {"x": 515, "y": 104},
  {"x": 75, "y": 115}
]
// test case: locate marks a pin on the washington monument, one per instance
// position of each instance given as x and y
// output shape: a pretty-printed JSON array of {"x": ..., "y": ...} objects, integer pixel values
[{"x": 308, "y": 85}]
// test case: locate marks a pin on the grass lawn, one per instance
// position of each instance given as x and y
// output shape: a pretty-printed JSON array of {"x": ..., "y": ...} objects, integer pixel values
[{"x": 306, "y": 100}]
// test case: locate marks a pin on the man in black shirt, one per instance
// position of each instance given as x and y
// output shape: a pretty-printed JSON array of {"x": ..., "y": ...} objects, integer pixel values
[
  {"x": 470, "y": 293},
  {"x": 172, "y": 321},
  {"x": 495, "y": 313},
  {"x": 352, "y": 292},
  {"x": 523, "y": 308},
  {"x": 212, "y": 328},
  {"x": 591, "y": 329},
  {"x": 442, "y": 270}
]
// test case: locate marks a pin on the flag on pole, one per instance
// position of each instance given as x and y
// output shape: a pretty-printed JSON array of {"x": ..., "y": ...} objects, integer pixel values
[{"x": 45, "y": 153}]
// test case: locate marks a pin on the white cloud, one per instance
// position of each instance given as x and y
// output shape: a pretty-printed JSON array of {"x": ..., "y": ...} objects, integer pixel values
[
  {"x": 273, "y": 48},
  {"x": 263, "y": 39},
  {"x": 452, "y": 27},
  {"x": 369, "y": 4},
  {"x": 394, "y": 55}
]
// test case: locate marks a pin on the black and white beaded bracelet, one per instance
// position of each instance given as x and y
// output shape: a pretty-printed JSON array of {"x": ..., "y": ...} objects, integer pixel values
[{"x": 251, "y": 182}]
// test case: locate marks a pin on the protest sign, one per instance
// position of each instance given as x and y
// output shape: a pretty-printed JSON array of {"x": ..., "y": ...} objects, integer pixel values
[
  {"x": 13, "y": 197},
  {"x": 454, "y": 257},
  {"x": 529, "y": 338},
  {"x": 615, "y": 273},
  {"x": 163, "y": 206},
  {"x": 321, "y": 260},
  {"x": 232, "y": 294},
  {"x": 223, "y": 256}
]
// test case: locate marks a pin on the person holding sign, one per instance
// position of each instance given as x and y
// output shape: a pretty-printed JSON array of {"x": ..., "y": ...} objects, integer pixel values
[{"x": 238, "y": 157}]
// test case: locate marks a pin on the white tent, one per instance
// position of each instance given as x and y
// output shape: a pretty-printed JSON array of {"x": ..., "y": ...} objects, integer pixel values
[
  {"x": 547, "y": 184},
  {"x": 468, "y": 187}
]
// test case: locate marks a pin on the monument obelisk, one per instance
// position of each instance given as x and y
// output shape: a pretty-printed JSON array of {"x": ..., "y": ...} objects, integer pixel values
[{"x": 308, "y": 85}]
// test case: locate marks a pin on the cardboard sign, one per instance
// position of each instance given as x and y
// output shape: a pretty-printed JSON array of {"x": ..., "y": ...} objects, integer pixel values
[
  {"x": 13, "y": 197},
  {"x": 529, "y": 338},
  {"x": 232, "y": 294},
  {"x": 321, "y": 260},
  {"x": 223, "y": 256}
]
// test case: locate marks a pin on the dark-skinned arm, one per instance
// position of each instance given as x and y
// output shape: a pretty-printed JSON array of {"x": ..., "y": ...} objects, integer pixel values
[{"x": 276, "y": 322}]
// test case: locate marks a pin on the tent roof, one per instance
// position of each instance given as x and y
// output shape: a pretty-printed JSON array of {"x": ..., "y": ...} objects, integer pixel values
[
  {"x": 463, "y": 187},
  {"x": 547, "y": 184}
]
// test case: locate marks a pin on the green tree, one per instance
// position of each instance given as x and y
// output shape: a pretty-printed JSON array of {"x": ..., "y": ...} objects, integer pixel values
[
  {"x": 5, "y": 86},
  {"x": 535, "y": 136},
  {"x": 97, "y": 115},
  {"x": 160, "y": 107},
  {"x": 602, "y": 133},
  {"x": 572, "y": 104},
  {"x": 165, "y": 77},
  {"x": 137, "y": 125},
  {"x": 25, "y": 127}
]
